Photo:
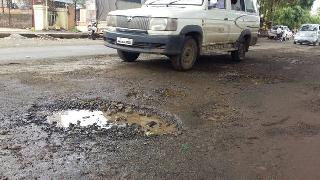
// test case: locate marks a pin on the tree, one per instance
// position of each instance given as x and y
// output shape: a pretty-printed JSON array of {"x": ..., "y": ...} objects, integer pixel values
[
  {"x": 292, "y": 13},
  {"x": 295, "y": 16},
  {"x": 306, "y": 4}
]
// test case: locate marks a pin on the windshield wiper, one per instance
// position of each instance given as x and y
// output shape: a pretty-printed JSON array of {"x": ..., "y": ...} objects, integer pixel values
[
  {"x": 153, "y": 2},
  {"x": 164, "y": 4},
  {"x": 173, "y": 2}
]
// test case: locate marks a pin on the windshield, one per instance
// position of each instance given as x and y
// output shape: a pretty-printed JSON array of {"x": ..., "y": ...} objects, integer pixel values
[
  {"x": 309, "y": 28},
  {"x": 174, "y": 2}
]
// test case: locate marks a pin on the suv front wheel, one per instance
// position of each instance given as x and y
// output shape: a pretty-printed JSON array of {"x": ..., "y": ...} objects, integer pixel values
[
  {"x": 188, "y": 56},
  {"x": 239, "y": 54},
  {"x": 128, "y": 56}
]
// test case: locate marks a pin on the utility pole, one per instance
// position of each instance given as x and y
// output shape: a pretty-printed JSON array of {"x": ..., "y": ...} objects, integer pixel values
[
  {"x": 46, "y": 24},
  {"x": 9, "y": 5},
  {"x": 2, "y": 7},
  {"x": 33, "y": 24},
  {"x": 75, "y": 12}
]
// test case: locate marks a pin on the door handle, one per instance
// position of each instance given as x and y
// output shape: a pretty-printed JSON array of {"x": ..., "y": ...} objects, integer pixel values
[{"x": 226, "y": 19}]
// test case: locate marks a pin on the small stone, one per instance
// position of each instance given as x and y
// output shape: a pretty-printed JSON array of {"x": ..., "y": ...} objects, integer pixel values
[
  {"x": 108, "y": 113},
  {"x": 14, "y": 147},
  {"x": 128, "y": 110},
  {"x": 212, "y": 119},
  {"x": 120, "y": 118},
  {"x": 151, "y": 124},
  {"x": 149, "y": 133},
  {"x": 120, "y": 106},
  {"x": 4, "y": 132}
]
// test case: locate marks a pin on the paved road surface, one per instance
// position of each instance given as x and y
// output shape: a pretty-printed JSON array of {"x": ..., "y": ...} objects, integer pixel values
[{"x": 26, "y": 53}]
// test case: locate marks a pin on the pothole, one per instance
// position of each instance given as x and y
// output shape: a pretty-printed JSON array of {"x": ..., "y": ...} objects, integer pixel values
[
  {"x": 150, "y": 125},
  {"x": 105, "y": 116}
]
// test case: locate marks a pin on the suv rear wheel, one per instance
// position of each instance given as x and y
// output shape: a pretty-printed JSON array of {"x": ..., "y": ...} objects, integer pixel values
[
  {"x": 239, "y": 54},
  {"x": 128, "y": 56},
  {"x": 188, "y": 56}
]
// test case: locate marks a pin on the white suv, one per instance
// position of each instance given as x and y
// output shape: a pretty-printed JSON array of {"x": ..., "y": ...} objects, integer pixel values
[{"x": 184, "y": 29}]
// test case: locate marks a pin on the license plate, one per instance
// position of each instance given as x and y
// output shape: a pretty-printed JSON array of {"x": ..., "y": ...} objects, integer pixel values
[{"x": 124, "y": 41}]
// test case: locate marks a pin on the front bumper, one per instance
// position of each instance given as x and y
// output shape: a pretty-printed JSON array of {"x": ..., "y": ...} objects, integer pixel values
[
  {"x": 144, "y": 43},
  {"x": 305, "y": 39}
]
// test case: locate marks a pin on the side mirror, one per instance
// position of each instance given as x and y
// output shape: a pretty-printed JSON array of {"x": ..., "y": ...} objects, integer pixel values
[{"x": 212, "y": 4}]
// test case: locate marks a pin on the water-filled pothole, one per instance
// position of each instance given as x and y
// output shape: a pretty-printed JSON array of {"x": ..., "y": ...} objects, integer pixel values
[
  {"x": 90, "y": 117},
  {"x": 149, "y": 124}
]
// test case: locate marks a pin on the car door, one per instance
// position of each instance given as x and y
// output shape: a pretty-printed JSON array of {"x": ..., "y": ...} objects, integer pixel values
[
  {"x": 244, "y": 15},
  {"x": 237, "y": 15},
  {"x": 216, "y": 30}
]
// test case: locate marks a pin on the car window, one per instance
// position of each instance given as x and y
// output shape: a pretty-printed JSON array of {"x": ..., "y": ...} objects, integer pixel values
[
  {"x": 238, "y": 5},
  {"x": 221, "y": 4},
  {"x": 308, "y": 27},
  {"x": 218, "y": 4},
  {"x": 250, "y": 6}
]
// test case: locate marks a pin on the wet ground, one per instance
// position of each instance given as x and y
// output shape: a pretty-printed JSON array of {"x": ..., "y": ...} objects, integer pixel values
[{"x": 258, "y": 119}]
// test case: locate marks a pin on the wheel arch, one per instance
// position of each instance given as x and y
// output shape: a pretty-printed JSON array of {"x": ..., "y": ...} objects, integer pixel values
[
  {"x": 196, "y": 32},
  {"x": 245, "y": 37}
]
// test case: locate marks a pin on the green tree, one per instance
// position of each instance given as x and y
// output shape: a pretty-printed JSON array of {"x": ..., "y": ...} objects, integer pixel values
[
  {"x": 295, "y": 16},
  {"x": 292, "y": 13},
  {"x": 306, "y": 4},
  {"x": 292, "y": 17}
]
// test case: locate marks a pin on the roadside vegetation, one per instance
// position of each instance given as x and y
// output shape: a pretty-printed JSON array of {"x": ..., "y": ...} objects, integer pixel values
[{"x": 287, "y": 12}]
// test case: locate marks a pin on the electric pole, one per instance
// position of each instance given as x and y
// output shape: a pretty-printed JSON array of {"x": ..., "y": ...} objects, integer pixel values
[
  {"x": 75, "y": 13},
  {"x": 2, "y": 7}
]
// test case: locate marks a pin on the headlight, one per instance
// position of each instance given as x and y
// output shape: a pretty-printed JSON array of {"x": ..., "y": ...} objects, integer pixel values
[
  {"x": 111, "y": 21},
  {"x": 163, "y": 24}
]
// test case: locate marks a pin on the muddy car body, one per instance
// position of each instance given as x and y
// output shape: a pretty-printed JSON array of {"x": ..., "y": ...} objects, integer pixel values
[
  {"x": 309, "y": 34},
  {"x": 184, "y": 29}
]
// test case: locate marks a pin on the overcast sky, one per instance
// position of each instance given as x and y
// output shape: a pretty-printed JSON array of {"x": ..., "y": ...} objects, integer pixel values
[{"x": 315, "y": 7}]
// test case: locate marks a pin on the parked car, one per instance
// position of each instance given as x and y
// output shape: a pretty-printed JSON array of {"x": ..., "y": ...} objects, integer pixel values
[
  {"x": 309, "y": 34},
  {"x": 184, "y": 29},
  {"x": 286, "y": 33}
]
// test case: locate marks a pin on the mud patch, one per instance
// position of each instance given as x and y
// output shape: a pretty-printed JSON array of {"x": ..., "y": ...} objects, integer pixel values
[
  {"x": 110, "y": 118},
  {"x": 314, "y": 105},
  {"x": 299, "y": 129}
]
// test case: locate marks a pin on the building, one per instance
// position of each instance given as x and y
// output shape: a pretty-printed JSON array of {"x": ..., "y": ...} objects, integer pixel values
[{"x": 42, "y": 15}]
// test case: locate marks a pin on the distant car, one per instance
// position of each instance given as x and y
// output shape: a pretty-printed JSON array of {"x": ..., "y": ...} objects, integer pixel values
[
  {"x": 308, "y": 34},
  {"x": 287, "y": 33}
]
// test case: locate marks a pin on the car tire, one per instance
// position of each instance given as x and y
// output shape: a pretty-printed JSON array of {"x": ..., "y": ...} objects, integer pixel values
[
  {"x": 294, "y": 42},
  {"x": 128, "y": 56},
  {"x": 188, "y": 56},
  {"x": 239, "y": 54}
]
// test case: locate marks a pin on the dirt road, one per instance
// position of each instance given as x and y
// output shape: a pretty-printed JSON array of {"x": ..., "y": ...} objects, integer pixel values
[{"x": 258, "y": 119}]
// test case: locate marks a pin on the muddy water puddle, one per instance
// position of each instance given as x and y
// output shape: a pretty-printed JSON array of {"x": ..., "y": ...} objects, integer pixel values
[{"x": 149, "y": 125}]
